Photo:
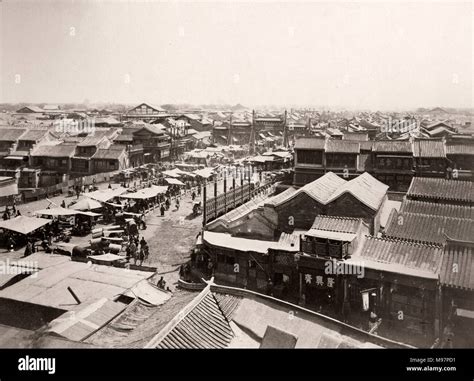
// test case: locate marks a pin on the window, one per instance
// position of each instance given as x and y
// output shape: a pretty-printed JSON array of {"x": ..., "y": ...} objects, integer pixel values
[{"x": 112, "y": 163}]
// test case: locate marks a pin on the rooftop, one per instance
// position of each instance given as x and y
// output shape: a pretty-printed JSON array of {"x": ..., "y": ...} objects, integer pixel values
[
  {"x": 436, "y": 209},
  {"x": 398, "y": 256},
  {"x": 428, "y": 228},
  {"x": 226, "y": 317},
  {"x": 457, "y": 270},
  {"x": 441, "y": 189},
  {"x": 429, "y": 148}
]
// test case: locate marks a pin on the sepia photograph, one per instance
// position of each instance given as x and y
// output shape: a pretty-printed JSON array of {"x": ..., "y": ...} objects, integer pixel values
[{"x": 198, "y": 175}]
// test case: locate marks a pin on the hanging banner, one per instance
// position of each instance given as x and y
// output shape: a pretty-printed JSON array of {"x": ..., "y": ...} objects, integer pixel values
[{"x": 365, "y": 301}]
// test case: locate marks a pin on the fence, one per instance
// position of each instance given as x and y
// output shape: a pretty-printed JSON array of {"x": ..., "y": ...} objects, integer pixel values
[{"x": 223, "y": 203}]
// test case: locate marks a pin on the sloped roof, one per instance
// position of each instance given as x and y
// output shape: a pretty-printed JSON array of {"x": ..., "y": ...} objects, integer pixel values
[
  {"x": 337, "y": 224},
  {"x": 235, "y": 243},
  {"x": 310, "y": 143},
  {"x": 428, "y": 228},
  {"x": 428, "y": 148},
  {"x": 33, "y": 134},
  {"x": 366, "y": 188},
  {"x": 356, "y": 136},
  {"x": 459, "y": 149},
  {"x": 202, "y": 324},
  {"x": 342, "y": 146},
  {"x": 222, "y": 317},
  {"x": 392, "y": 146},
  {"x": 11, "y": 134},
  {"x": 437, "y": 209},
  {"x": 401, "y": 257},
  {"x": 112, "y": 154},
  {"x": 457, "y": 269},
  {"x": 320, "y": 189},
  {"x": 24, "y": 224},
  {"x": 441, "y": 189},
  {"x": 59, "y": 150}
]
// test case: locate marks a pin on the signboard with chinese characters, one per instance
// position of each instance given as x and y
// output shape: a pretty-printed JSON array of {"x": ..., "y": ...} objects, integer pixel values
[{"x": 322, "y": 281}]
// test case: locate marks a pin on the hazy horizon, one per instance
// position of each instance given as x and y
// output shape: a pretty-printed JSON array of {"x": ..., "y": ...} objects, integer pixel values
[{"x": 355, "y": 55}]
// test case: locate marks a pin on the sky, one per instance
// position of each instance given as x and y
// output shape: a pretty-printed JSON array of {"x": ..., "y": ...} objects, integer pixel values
[{"x": 371, "y": 55}]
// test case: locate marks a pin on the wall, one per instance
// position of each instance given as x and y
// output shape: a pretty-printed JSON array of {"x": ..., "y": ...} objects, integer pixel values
[{"x": 298, "y": 213}]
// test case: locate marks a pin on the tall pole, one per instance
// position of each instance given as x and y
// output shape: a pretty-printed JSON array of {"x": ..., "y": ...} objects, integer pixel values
[
  {"x": 204, "y": 194},
  {"x": 285, "y": 131},
  {"x": 229, "y": 131},
  {"x": 215, "y": 198},
  {"x": 225, "y": 192},
  {"x": 252, "y": 135}
]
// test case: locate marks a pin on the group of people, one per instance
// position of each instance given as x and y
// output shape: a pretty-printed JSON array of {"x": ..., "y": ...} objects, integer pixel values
[
  {"x": 137, "y": 249},
  {"x": 14, "y": 212}
]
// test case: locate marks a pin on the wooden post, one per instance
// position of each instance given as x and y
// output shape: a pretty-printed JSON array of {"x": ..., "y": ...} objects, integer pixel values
[
  {"x": 225, "y": 193},
  {"x": 233, "y": 190},
  {"x": 215, "y": 198},
  {"x": 204, "y": 196}
]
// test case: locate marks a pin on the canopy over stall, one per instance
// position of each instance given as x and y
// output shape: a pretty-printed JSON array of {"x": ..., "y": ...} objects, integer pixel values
[
  {"x": 145, "y": 193},
  {"x": 106, "y": 194},
  {"x": 204, "y": 173},
  {"x": 24, "y": 224},
  {"x": 174, "y": 181},
  {"x": 86, "y": 204}
]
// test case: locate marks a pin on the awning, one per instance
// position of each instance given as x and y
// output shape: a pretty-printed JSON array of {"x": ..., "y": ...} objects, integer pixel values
[
  {"x": 86, "y": 204},
  {"x": 54, "y": 212},
  {"x": 105, "y": 195},
  {"x": 204, "y": 173},
  {"x": 24, "y": 224},
  {"x": 173, "y": 181},
  {"x": 145, "y": 193}
]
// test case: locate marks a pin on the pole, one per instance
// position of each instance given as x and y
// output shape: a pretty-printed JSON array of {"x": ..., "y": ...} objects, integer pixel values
[
  {"x": 204, "y": 196},
  {"x": 74, "y": 295},
  {"x": 215, "y": 198},
  {"x": 225, "y": 192}
]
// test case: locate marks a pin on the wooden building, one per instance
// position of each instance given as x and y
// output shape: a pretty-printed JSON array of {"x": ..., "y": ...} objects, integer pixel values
[{"x": 393, "y": 163}]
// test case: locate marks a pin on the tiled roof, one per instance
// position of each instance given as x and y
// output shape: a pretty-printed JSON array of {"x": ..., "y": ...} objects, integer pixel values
[
  {"x": 60, "y": 150},
  {"x": 228, "y": 317},
  {"x": 111, "y": 154},
  {"x": 342, "y": 146},
  {"x": 436, "y": 209},
  {"x": 400, "y": 256},
  {"x": 366, "y": 188},
  {"x": 428, "y": 148},
  {"x": 441, "y": 189},
  {"x": 428, "y": 228},
  {"x": 11, "y": 134},
  {"x": 356, "y": 136},
  {"x": 459, "y": 149},
  {"x": 457, "y": 269},
  {"x": 90, "y": 141},
  {"x": 34, "y": 135},
  {"x": 395, "y": 146},
  {"x": 310, "y": 143},
  {"x": 320, "y": 189},
  {"x": 337, "y": 224},
  {"x": 202, "y": 324}
]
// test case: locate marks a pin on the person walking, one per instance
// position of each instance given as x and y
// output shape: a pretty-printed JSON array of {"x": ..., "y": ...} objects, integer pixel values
[{"x": 28, "y": 249}]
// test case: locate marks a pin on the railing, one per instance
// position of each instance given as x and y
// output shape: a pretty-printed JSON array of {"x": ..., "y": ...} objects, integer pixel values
[{"x": 225, "y": 202}]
